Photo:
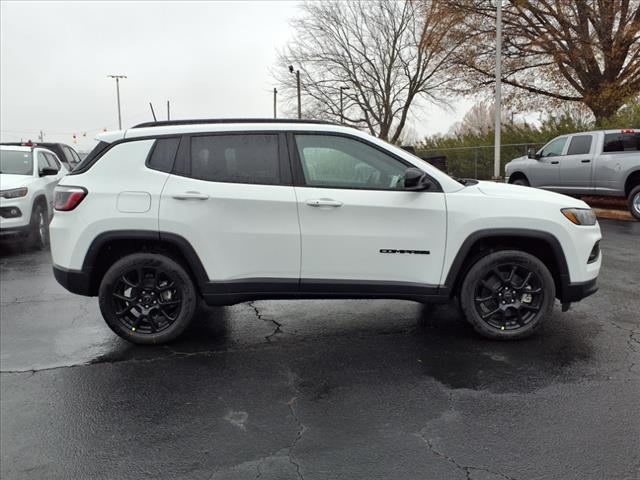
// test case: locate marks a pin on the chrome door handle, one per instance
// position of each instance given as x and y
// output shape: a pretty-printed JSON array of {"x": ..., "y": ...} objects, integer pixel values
[
  {"x": 190, "y": 196},
  {"x": 323, "y": 202}
]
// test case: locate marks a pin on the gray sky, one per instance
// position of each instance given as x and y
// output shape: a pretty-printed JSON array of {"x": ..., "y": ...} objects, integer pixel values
[{"x": 211, "y": 59}]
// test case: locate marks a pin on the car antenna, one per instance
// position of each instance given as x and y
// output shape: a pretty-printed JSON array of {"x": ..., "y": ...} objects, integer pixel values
[{"x": 152, "y": 112}]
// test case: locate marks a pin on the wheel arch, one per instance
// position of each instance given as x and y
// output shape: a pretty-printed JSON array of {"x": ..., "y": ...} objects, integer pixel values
[
  {"x": 517, "y": 175},
  {"x": 108, "y": 247},
  {"x": 632, "y": 181},
  {"x": 541, "y": 244}
]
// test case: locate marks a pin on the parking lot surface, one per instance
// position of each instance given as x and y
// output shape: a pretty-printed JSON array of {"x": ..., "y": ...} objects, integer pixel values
[{"x": 320, "y": 389}]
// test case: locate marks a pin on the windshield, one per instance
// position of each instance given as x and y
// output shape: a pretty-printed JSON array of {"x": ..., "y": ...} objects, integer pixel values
[{"x": 16, "y": 162}]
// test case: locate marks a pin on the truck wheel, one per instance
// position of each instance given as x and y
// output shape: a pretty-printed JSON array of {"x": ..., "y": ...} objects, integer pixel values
[
  {"x": 39, "y": 228},
  {"x": 521, "y": 181},
  {"x": 634, "y": 202},
  {"x": 507, "y": 295},
  {"x": 147, "y": 298}
]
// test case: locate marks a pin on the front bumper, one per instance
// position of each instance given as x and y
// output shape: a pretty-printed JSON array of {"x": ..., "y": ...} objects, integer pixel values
[
  {"x": 574, "y": 292},
  {"x": 14, "y": 231}
]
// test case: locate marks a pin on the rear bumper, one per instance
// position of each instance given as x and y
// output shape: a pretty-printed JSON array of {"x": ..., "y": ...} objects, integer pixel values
[
  {"x": 75, "y": 281},
  {"x": 574, "y": 292}
]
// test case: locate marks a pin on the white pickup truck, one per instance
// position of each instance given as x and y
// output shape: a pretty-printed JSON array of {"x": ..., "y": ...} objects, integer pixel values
[{"x": 604, "y": 162}]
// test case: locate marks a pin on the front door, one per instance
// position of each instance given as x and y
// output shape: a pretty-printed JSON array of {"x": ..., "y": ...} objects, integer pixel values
[
  {"x": 545, "y": 173},
  {"x": 361, "y": 231}
]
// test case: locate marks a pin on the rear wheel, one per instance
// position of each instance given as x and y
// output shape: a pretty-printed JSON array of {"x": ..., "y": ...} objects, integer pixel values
[
  {"x": 507, "y": 295},
  {"x": 147, "y": 298},
  {"x": 634, "y": 202}
]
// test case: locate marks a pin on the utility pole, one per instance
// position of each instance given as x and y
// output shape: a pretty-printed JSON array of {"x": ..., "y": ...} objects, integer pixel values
[
  {"x": 168, "y": 112},
  {"x": 342, "y": 89},
  {"x": 291, "y": 70},
  {"x": 498, "y": 100},
  {"x": 275, "y": 94},
  {"x": 118, "y": 77}
]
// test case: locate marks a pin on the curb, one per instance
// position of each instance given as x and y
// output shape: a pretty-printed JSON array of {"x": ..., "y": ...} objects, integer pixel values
[{"x": 614, "y": 214}]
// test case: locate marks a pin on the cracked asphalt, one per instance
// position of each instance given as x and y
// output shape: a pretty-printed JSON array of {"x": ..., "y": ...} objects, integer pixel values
[{"x": 320, "y": 389}]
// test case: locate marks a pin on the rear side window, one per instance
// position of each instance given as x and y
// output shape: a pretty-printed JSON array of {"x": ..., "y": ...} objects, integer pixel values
[
  {"x": 622, "y": 142},
  {"x": 580, "y": 144},
  {"x": 164, "y": 154},
  {"x": 251, "y": 158}
]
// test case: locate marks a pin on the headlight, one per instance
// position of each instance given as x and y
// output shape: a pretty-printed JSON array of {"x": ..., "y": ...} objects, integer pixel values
[
  {"x": 580, "y": 216},
  {"x": 14, "y": 193}
]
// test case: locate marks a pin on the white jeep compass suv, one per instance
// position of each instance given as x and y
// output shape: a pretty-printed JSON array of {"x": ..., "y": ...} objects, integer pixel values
[{"x": 165, "y": 213}]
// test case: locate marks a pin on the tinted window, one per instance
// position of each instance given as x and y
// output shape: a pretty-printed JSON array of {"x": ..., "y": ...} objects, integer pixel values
[
  {"x": 68, "y": 156},
  {"x": 164, "y": 153},
  {"x": 554, "y": 149},
  {"x": 16, "y": 162},
  {"x": 580, "y": 144},
  {"x": 42, "y": 161},
  {"x": 331, "y": 161},
  {"x": 90, "y": 159},
  {"x": 236, "y": 158},
  {"x": 621, "y": 142}
]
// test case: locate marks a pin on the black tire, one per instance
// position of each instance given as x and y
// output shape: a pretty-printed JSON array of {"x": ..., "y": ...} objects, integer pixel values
[
  {"x": 521, "y": 181},
  {"x": 147, "y": 298},
  {"x": 39, "y": 227},
  {"x": 512, "y": 305},
  {"x": 633, "y": 202}
]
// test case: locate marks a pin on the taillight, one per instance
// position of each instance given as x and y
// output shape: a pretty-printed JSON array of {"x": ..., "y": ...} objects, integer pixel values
[{"x": 67, "y": 198}]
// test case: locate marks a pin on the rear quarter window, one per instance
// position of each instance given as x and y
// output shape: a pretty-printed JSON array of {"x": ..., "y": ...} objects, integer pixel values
[
  {"x": 163, "y": 154},
  {"x": 621, "y": 142}
]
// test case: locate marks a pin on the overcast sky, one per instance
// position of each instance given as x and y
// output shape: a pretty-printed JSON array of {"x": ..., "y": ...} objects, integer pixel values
[{"x": 210, "y": 59}]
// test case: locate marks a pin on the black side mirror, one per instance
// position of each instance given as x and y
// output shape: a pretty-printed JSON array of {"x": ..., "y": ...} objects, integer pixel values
[
  {"x": 531, "y": 153},
  {"x": 48, "y": 171},
  {"x": 415, "y": 179}
]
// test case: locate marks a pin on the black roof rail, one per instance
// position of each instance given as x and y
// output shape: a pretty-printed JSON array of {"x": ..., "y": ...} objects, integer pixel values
[{"x": 166, "y": 123}]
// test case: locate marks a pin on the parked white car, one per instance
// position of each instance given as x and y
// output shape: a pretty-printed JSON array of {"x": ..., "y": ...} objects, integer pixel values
[
  {"x": 605, "y": 162},
  {"x": 165, "y": 213},
  {"x": 28, "y": 175}
]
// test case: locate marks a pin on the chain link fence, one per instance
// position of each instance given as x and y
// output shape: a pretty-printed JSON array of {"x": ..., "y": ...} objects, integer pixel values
[{"x": 475, "y": 162}]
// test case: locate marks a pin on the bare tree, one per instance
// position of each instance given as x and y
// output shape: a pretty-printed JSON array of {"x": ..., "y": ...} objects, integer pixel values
[
  {"x": 387, "y": 53},
  {"x": 584, "y": 51}
]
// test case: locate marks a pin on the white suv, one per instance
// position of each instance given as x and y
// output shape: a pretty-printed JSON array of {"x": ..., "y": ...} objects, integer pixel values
[
  {"x": 165, "y": 213},
  {"x": 28, "y": 175}
]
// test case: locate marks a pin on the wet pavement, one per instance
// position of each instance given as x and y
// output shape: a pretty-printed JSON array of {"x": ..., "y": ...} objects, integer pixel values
[{"x": 320, "y": 389}]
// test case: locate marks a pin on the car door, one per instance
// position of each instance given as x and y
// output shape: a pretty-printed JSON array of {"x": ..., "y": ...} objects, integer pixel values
[
  {"x": 576, "y": 165},
  {"x": 361, "y": 231},
  {"x": 545, "y": 173},
  {"x": 231, "y": 198}
]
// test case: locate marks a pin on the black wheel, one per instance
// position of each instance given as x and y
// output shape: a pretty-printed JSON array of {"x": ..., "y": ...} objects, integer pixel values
[
  {"x": 507, "y": 295},
  {"x": 521, "y": 181},
  {"x": 39, "y": 228},
  {"x": 147, "y": 298},
  {"x": 634, "y": 202}
]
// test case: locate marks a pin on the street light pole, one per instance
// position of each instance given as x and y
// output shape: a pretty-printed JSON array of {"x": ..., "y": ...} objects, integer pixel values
[
  {"x": 275, "y": 94},
  {"x": 118, "y": 77},
  {"x": 291, "y": 70},
  {"x": 498, "y": 100},
  {"x": 342, "y": 89}
]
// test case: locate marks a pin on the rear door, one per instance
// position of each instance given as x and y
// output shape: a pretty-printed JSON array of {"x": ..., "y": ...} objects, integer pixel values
[
  {"x": 545, "y": 173},
  {"x": 576, "y": 165},
  {"x": 361, "y": 231},
  {"x": 230, "y": 196}
]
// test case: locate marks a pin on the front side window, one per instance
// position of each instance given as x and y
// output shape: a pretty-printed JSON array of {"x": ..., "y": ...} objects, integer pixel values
[
  {"x": 42, "y": 161},
  {"x": 580, "y": 145},
  {"x": 250, "y": 158},
  {"x": 339, "y": 162},
  {"x": 52, "y": 161},
  {"x": 622, "y": 142},
  {"x": 16, "y": 162},
  {"x": 554, "y": 148}
]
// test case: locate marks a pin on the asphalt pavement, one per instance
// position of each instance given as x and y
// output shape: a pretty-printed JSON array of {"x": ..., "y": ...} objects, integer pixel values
[{"x": 320, "y": 389}]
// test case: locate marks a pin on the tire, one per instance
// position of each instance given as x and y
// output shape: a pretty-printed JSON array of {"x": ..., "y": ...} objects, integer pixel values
[
  {"x": 147, "y": 298},
  {"x": 513, "y": 305},
  {"x": 633, "y": 202},
  {"x": 38, "y": 228},
  {"x": 521, "y": 181}
]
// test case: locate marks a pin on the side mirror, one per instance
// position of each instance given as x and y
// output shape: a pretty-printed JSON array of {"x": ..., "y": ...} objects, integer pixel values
[
  {"x": 48, "y": 171},
  {"x": 531, "y": 153},
  {"x": 415, "y": 179}
]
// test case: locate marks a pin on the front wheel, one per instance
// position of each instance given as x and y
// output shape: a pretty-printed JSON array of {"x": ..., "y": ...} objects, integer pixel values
[
  {"x": 39, "y": 228},
  {"x": 521, "y": 181},
  {"x": 147, "y": 298},
  {"x": 507, "y": 295},
  {"x": 634, "y": 202}
]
